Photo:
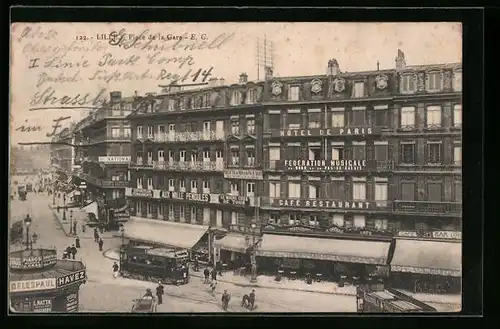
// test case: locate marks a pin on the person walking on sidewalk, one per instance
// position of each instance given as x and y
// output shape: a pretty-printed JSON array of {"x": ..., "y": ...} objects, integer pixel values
[
  {"x": 100, "y": 244},
  {"x": 73, "y": 251},
  {"x": 196, "y": 264},
  {"x": 206, "y": 274},
  {"x": 77, "y": 242},
  {"x": 68, "y": 252},
  {"x": 214, "y": 274},
  {"x": 159, "y": 293},
  {"x": 75, "y": 226},
  {"x": 115, "y": 270},
  {"x": 96, "y": 235}
]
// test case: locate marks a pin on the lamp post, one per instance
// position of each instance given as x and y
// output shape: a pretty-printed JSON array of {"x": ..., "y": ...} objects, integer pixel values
[
  {"x": 253, "y": 279},
  {"x": 71, "y": 222},
  {"x": 27, "y": 222},
  {"x": 122, "y": 231},
  {"x": 64, "y": 207},
  {"x": 54, "y": 195}
]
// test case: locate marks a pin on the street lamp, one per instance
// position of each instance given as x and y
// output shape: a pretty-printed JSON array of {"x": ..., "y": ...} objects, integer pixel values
[
  {"x": 122, "y": 231},
  {"x": 54, "y": 195},
  {"x": 253, "y": 279},
  {"x": 27, "y": 222},
  {"x": 71, "y": 222},
  {"x": 64, "y": 207}
]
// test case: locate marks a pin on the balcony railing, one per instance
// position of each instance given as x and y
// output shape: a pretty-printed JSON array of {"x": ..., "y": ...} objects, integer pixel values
[
  {"x": 189, "y": 165},
  {"x": 427, "y": 207},
  {"x": 247, "y": 230},
  {"x": 331, "y": 165},
  {"x": 324, "y": 203},
  {"x": 103, "y": 138},
  {"x": 198, "y": 136}
]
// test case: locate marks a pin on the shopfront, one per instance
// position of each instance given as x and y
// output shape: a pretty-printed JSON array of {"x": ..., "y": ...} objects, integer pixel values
[
  {"x": 232, "y": 250},
  {"x": 40, "y": 283},
  {"x": 332, "y": 258},
  {"x": 427, "y": 266}
]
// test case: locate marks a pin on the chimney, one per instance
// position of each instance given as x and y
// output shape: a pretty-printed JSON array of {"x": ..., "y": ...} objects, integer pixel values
[
  {"x": 269, "y": 73},
  {"x": 222, "y": 82},
  {"x": 378, "y": 65},
  {"x": 115, "y": 96},
  {"x": 400, "y": 60},
  {"x": 243, "y": 78},
  {"x": 213, "y": 82},
  {"x": 333, "y": 67}
]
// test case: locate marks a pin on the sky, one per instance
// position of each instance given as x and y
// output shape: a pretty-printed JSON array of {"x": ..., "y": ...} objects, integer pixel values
[{"x": 68, "y": 55}]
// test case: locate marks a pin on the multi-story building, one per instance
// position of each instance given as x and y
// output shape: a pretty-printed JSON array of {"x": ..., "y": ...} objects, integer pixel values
[
  {"x": 196, "y": 158},
  {"x": 63, "y": 154},
  {"x": 342, "y": 174},
  {"x": 103, "y": 140}
]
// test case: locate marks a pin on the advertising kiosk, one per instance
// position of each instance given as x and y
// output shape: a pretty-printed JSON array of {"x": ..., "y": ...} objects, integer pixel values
[{"x": 41, "y": 283}]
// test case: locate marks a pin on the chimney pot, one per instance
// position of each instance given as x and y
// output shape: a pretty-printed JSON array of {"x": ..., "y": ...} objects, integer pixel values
[{"x": 243, "y": 78}]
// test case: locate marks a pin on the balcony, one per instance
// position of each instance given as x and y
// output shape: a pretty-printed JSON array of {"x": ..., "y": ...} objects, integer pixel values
[
  {"x": 247, "y": 231},
  {"x": 104, "y": 138},
  {"x": 434, "y": 168},
  {"x": 106, "y": 183},
  {"x": 331, "y": 165},
  {"x": 327, "y": 132},
  {"x": 427, "y": 208},
  {"x": 188, "y": 165},
  {"x": 326, "y": 204},
  {"x": 180, "y": 137}
]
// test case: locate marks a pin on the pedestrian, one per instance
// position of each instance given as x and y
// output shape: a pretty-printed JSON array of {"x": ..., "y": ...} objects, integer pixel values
[
  {"x": 206, "y": 273},
  {"x": 213, "y": 285},
  {"x": 196, "y": 264},
  {"x": 159, "y": 293},
  {"x": 100, "y": 244},
  {"x": 73, "y": 251},
  {"x": 77, "y": 242},
  {"x": 252, "y": 299},
  {"x": 101, "y": 228},
  {"x": 96, "y": 235},
  {"x": 218, "y": 266},
  {"x": 68, "y": 251},
  {"x": 74, "y": 226},
  {"x": 115, "y": 270},
  {"x": 214, "y": 274},
  {"x": 35, "y": 236}
]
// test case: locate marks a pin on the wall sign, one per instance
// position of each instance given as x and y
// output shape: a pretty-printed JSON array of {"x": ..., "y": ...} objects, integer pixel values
[
  {"x": 32, "y": 259},
  {"x": 142, "y": 192},
  {"x": 335, "y": 131},
  {"x": 198, "y": 197},
  {"x": 72, "y": 302},
  {"x": 316, "y": 86},
  {"x": 232, "y": 199},
  {"x": 250, "y": 174},
  {"x": 324, "y": 165},
  {"x": 114, "y": 159},
  {"x": 448, "y": 235},
  {"x": 32, "y": 285},
  {"x": 71, "y": 278},
  {"x": 41, "y": 305},
  {"x": 331, "y": 204}
]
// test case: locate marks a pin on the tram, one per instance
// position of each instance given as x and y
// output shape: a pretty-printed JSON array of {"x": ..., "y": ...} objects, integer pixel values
[{"x": 168, "y": 265}]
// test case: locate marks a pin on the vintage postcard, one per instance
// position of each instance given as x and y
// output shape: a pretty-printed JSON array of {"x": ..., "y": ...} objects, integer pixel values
[{"x": 235, "y": 167}]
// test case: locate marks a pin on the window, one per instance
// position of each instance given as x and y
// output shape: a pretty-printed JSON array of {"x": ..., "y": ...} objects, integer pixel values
[
  {"x": 381, "y": 152},
  {"x": 194, "y": 156},
  {"x": 235, "y": 127},
  {"x": 380, "y": 191},
  {"x": 433, "y": 118},
  {"x": 434, "y": 81},
  {"x": 161, "y": 155},
  {"x": 433, "y": 152},
  {"x": 235, "y": 157},
  {"x": 160, "y": 209},
  {"x": 338, "y": 119},
  {"x": 182, "y": 155},
  {"x": 171, "y": 128},
  {"x": 457, "y": 154},
  {"x": 408, "y": 191},
  {"x": 457, "y": 191},
  {"x": 234, "y": 218},
  {"x": 381, "y": 118},
  {"x": 139, "y": 207},
  {"x": 314, "y": 191},
  {"x": 274, "y": 121},
  {"x": 206, "y": 186},
  {"x": 182, "y": 213},
  {"x": 434, "y": 192},
  {"x": 408, "y": 117},
  {"x": 139, "y": 156},
  {"x": 149, "y": 207},
  {"x": 116, "y": 194},
  {"x": 193, "y": 214},
  {"x": 359, "y": 89},
  {"x": 171, "y": 184},
  {"x": 457, "y": 81},
  {"x": 251, "y": 126},
  {"x": 313, "y": 220},
  {"x": 381, "y": 224},
  {"x": 274, "y": 153},
  {"x": 359, "y": 221},
  {"x": 196, "y": 102},
  {"x": 314, "y": 153},
  {"x": 359, "y": 191},
  {"x": 206, "y": 155},
  {"x": 408, "y": 83},
  {"x": 293, "y": 219},
  {"x": 126, "y": 132},
  {"x": 250, "y": 157},
  {"x": 457, "y": 115},
  {"x": 182, "y": 184},
  {"x": 358, "y": 118},
  {"x": 338, "y": 220},
  {"x": 235, "y": 188},
  {"x": 359, "y": 152},
  {"x": 205, "y": 100},
  {"x": 161, "y": 130},
  {"x": 251, "y": 97},
  {"x": 140, "y": 132},
  {"x": 293, "y": 120},
  {"x": 338, "y": 190},
  {"x": 151, "y": 130},
  {"x": 171, "y": 212},
  {"x": 293, "y": 151},
  {"x": 139, "y": 183},
  {"x": 408, "y": 152},
  {"x": 150, "y": 183},
  {"x": 314, "y": 120},
  {"x": 115, "y": 132},
  {"x": 337, "y": 152},
  {"x": 194, "y": 186},
  {"x": 273, "y": 218},
  {"x": 293, "y": 190},
  {"x": 274, "y": 189},
  {"x": 294, "y": 93},
  {"x": 171, "y": 105},
  {"x": 235, "y": 98},
  {"x": 250, "y": 188}
]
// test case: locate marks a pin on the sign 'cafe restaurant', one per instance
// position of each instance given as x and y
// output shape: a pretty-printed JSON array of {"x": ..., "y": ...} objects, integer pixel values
[{"x": 41, "y": 283}]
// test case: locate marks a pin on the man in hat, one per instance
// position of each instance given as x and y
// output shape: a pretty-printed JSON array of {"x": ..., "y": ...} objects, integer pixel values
[
  {"x": 159, "y": 292},
  {"x": 115, "y": 270}
]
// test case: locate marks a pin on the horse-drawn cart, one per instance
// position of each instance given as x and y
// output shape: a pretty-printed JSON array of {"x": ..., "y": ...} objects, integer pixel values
[{"x": 145, "y": 304}]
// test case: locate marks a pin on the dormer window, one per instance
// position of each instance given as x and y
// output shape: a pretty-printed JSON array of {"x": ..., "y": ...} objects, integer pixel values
[
  {"x": 408, "y": 83},
  {"x": 171, "y": 105},
  {"x": 293, "y": 94},
  {"x": 251, "y": 96},
  {"x": 434, "y": 81},
  {"x": 197, "y": 102},
  {"x": 457, "y": 81},
  {"x": 205, "y": 101},
  {"x": 235, "y": 98}
]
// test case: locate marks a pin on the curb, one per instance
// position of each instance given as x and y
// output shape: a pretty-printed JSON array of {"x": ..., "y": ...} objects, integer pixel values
[{"x": 106, "y": 256}]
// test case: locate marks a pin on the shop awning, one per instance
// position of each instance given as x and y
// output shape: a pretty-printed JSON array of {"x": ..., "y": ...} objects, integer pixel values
[
  {"x": 164, "y": 232},
  {"x": 427, "y": 257},
  {"x": 350, "y": 251},
  {"x": 232, "y": 242},
  {"x": 91, "y": 208}
]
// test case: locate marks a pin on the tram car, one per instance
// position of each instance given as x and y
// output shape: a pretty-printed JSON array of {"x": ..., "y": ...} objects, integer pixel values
[
  {"x": 377, "y": 299},
  {"x": 168, "y": 265}
]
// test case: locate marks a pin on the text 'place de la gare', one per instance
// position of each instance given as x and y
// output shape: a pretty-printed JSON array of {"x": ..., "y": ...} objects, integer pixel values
[{"x": 346, "y": 174}]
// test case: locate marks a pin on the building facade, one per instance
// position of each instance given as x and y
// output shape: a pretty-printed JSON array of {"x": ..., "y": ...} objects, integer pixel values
[
  {"x": 104, "y": 139},
  {"x": 62, "y": 153}
]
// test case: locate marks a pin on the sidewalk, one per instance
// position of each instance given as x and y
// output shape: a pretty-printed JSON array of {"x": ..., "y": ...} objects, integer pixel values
[
  {"x": 80, "y": 217},
  {"x": 299, "y": 285}
]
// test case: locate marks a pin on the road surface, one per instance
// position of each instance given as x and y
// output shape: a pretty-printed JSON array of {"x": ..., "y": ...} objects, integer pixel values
[{"x": 103, "y": 293}]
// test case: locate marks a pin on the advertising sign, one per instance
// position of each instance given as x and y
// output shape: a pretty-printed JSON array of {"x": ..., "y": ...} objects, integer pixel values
[
  {"x": 142, "y": 192},
  {"x": 233, "y": 199},
  {"x": 42, "y": 306},
  {"x": 325, "y": 165},
  {"x": 330, "y": 204},
  {"x": 250, "y": 174},
  {"x": 71, "y": 278},
  {"x": 198, "y": 197},
  {"x": 32, "y": 259},
  {"x": 72, "y": 302},
  {"x": 446, "y": 235},
  {"x": 114, "y": 159},
  {"x": 32, "y": 285},
  {"x": 319, "y": 132}
]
